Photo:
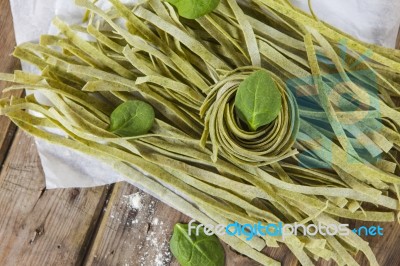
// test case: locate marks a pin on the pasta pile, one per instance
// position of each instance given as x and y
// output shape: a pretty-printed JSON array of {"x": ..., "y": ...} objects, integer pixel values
[{"x": 330, "y": 153}]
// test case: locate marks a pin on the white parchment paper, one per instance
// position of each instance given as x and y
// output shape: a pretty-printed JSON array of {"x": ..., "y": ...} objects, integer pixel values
[{"x": 374, "y": 21}]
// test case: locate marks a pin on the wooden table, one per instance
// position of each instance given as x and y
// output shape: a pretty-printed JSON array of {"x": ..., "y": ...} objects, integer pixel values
[{"x": 95, "y": 226}]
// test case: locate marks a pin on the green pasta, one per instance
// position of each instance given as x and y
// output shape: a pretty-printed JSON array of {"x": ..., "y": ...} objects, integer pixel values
[{"x": 329, "y": 153}]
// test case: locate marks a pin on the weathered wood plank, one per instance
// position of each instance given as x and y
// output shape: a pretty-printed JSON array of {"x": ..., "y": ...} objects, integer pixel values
[
  {"x": 134, "y": 230},
  {"x": 7, "y": 65},
  {"x": 140, "y": 236},
  {"x": 38, "y": 226}
]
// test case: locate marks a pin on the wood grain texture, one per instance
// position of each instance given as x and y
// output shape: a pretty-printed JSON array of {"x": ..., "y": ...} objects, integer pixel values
[
  {"x": 38, "y": 226},
  {"x": 140, "y": 236},
  {"x": 132, "y": 235},
  {"x": 7, "y": 65}
]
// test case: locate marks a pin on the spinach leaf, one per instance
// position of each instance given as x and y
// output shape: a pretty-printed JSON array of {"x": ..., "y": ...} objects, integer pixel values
[
  {"x": 193, "y": 9},
  {"x": 258, "y": 100},
  {"x": 132, "y": 118},
  {"x": 192, "y": 250}
]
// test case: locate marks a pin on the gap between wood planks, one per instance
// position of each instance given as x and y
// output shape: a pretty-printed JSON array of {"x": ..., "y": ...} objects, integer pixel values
[{"x": 40, "y": 227}]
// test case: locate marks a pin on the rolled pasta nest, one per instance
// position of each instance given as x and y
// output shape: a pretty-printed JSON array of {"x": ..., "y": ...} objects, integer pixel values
[
  {"x": 330, "y": 154},
  {"x": 271, "y": 143}
]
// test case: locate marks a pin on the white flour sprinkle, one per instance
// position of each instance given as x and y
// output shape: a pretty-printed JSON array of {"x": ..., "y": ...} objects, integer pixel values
[
  {"x": 154, "y": 247},
  {"x": 155, "y": 221},
  {"x": 134, "y": 201},
  {"x": 157, "y": 240}
]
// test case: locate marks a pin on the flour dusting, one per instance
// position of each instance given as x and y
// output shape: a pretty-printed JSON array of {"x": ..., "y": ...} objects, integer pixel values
[{"x": 134, "y": 201}]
